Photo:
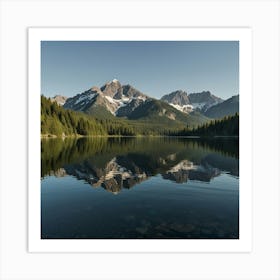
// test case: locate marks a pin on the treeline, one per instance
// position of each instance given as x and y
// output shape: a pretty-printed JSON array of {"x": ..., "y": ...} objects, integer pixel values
[
  {"x": 55, "y": 120},
  {"x": 228, "y": 126}
]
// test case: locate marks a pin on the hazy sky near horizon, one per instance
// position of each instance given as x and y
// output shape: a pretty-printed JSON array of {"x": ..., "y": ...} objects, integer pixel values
[{"x": 154, "y": 67}]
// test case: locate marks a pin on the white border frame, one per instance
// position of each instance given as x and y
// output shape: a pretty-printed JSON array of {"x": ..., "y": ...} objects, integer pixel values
[{"x": 243, "y": 35}]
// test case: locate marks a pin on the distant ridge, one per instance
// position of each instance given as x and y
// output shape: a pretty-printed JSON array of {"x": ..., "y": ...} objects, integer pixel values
[
  {"x": 59, "y": 99},
  {"x": 226, "y": 108}
]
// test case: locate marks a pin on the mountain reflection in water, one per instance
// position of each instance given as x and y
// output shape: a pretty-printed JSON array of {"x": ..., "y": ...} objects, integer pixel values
[{"x": 117, "y": 163}]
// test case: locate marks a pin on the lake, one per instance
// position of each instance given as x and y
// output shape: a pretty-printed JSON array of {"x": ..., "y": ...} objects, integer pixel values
[{"x": 128, "y": 188}]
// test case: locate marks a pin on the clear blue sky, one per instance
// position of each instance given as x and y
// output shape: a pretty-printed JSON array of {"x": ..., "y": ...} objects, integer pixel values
[{"x": 154, "y": 67}]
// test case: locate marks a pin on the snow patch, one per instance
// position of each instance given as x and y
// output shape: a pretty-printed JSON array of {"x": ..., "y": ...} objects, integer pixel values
[
  {"x": 110, "y": 99},
  {"x": 185, "y": 108},
  {"x": 117, "y": 103},
  {"x": 142, "y": 97},
  {"x": 125, "y": 99},
  {"x": 85, "y": 97}
]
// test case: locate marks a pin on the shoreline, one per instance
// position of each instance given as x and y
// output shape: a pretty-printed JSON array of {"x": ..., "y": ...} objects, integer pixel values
[{"x": 52, "y": 136}]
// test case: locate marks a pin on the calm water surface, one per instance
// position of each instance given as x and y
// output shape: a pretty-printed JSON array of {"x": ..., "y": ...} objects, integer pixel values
[{"x": 140, "y": 188}]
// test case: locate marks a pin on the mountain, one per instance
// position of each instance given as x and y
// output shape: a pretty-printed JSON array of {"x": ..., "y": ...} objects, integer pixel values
[
  {"x": 111, "y": 98},
  {"x": 228, "y": 107},
  {"x": 59, "y": 99},
  {"x": 186, "y": 103}
]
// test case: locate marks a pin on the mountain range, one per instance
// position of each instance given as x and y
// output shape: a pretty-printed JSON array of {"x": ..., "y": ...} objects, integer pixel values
[{"x": 125, "y": 101}]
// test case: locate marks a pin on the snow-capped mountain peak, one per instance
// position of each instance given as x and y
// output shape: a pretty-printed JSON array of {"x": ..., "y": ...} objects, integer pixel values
[
  {"x": 116, "y": 98},
  {"x": 111, "y": 87},
  {"x": 186, "y": 103}
]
